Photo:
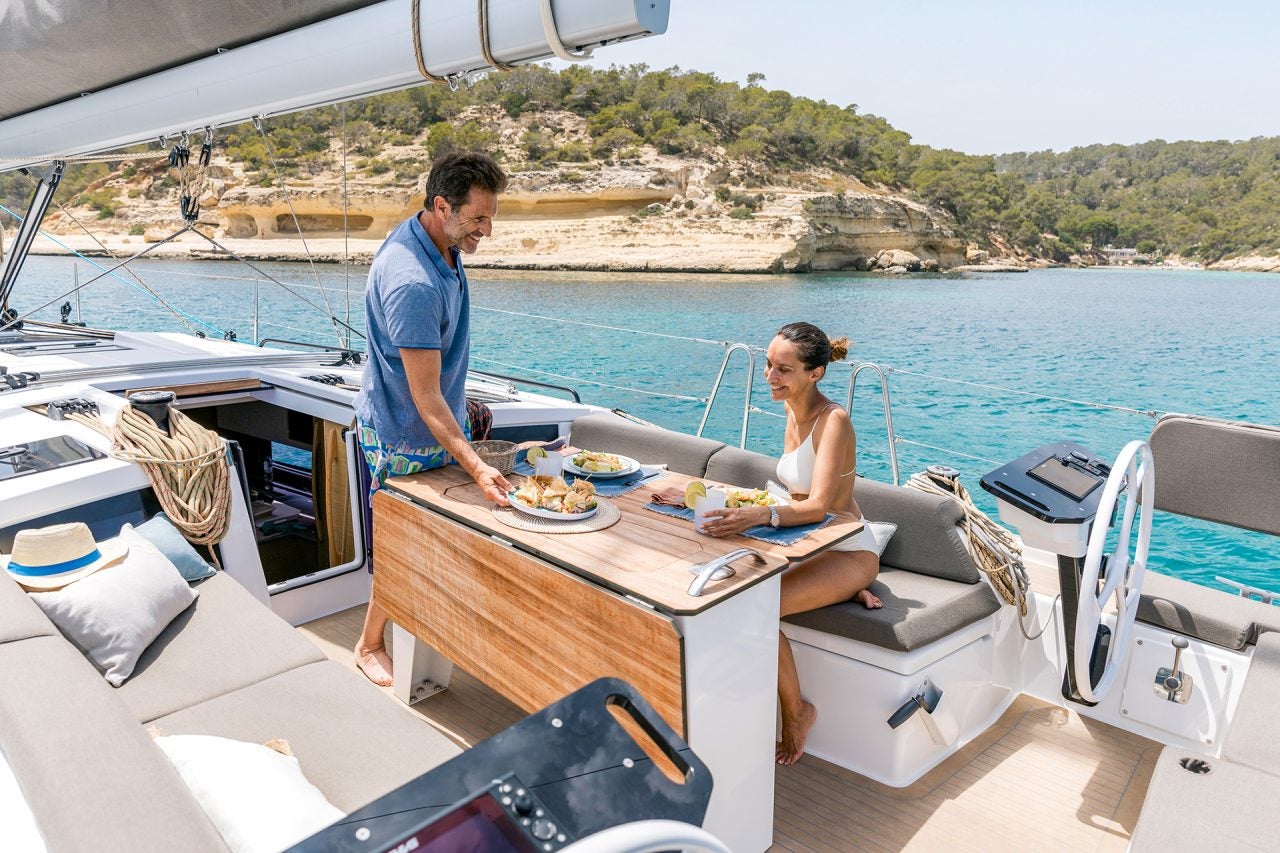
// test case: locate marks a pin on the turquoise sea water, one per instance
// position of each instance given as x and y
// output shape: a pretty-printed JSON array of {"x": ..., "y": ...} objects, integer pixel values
[{"x": 1170, "y": 341}]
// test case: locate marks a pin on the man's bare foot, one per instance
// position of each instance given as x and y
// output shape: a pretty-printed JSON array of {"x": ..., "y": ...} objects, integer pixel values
[
  {"x": 868, "y": 600},
  {"x": 794, "y": 734},
  {"x": 375, "y": 664}
]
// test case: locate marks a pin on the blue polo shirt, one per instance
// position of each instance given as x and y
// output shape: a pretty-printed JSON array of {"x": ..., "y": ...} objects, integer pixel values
[{"x": 413, "y": 300}]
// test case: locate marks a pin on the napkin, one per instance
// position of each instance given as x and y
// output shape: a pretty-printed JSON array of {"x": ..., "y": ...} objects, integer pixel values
[{"x": 670, "y": 496}]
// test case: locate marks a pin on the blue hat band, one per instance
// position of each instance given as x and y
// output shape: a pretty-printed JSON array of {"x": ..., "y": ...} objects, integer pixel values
[{"x": 55, "y": 568}]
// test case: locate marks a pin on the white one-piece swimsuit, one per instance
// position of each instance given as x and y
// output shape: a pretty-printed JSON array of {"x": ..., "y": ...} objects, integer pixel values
[{"x": 795, "y": 473}]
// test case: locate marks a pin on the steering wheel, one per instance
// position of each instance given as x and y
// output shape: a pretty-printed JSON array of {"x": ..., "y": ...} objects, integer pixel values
[{"x": 1134, "y": 475}]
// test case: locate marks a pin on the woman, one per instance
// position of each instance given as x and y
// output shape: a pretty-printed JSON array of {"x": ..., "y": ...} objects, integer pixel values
[{"x": 818, "y": 469}]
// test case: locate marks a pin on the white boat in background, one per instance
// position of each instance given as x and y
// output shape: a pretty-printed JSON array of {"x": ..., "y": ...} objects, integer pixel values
[{"x": 950, "y": 719}]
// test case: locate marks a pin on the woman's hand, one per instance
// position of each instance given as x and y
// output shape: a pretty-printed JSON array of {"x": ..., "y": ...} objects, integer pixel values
[{"x": 734, "y": 520}]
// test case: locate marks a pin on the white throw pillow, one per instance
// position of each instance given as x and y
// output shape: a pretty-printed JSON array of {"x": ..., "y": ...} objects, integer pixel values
[
  {"x": 257, "y": 798},
  {"x": 113, "y": 614},
  {"x": 882, "y": 531}
]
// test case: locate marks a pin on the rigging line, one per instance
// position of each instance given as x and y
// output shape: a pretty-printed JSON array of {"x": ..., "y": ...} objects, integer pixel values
[
  {"x": 112, "y": 256},
  {"x": 103, "y": 274},
  {"x": 589, "y": 381},
  {"x": 288, "y": 198},
  {"x": 900, "y": 440},
  {"x": 601, "y": 326},
  {"x": 76, "y": 290},
  {"x": 1150, "y": 413},
  {"x": 346, "y": 234},
  {"x": 211, "y": 277},
  {"x": 337, "y": 322},
  {"x": 87, "y": 158},
  {"x": 759, "y": 411}
]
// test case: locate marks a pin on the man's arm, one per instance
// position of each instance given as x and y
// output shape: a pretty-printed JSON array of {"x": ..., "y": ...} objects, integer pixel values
[{"x": 422, "y": 367}]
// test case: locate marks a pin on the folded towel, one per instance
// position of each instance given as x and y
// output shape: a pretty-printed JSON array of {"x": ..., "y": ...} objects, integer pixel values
[{"x": 765, "y": 533}]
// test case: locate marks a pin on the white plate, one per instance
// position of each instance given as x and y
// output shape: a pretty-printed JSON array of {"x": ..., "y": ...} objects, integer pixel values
[
  {"x": 632, "y": 467},
  {"x": 551, "y": 514}
]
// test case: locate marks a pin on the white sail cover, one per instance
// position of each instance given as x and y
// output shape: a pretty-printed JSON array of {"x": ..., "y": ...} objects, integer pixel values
[{"x": 82, "y": 76}]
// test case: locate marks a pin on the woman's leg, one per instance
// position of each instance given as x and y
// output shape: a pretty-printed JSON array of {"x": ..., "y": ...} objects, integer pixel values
[{"x": 828, "y": 578}]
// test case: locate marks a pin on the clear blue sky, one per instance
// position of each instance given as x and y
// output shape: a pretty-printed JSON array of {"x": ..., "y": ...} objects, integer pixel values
[{"x": 994, "y": 76}]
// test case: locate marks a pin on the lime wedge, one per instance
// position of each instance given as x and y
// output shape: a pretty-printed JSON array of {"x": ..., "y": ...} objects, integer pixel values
[
  {"x": 535, "y": 453},
  {"x": 694, "y": 492}
]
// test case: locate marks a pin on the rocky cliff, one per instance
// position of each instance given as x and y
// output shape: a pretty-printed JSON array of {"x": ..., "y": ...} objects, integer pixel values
[{"x": 646, "y": 211}]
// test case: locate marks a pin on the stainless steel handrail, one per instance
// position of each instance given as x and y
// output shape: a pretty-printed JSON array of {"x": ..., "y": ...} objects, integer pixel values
[
  {"x": 888, "y": 413},
  {"x": 715, "y": 389},
  {"x": 718, "y": 568}
]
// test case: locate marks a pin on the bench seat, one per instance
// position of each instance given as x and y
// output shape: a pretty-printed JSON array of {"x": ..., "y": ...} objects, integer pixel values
[
  {"x": 918, "y": 610},
  {"x": 1206, "y": 614}
]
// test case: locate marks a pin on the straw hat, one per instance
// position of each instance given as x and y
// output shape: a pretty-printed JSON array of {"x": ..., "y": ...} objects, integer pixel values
[{"x": 52, "y": 557}]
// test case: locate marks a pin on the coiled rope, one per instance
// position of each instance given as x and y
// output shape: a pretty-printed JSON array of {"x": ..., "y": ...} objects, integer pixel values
[
  {"x": 189, "y": 471},
  {"x": 996, "y": 553},
  {"x": 995, "y": 550}
]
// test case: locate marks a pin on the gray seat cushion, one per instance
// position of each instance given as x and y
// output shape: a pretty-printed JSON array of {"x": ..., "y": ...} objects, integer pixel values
[
  {"x": 89, "y": 771},
  {"x": 1206, "y": 614},
  {"x": 610, "y": 433},
  {"x": 354, "y": 743},
  {"x": 225, "y": 641},
  {"x": 1231, "y": 808},
  {"x": 918, "y": 610},
  {"x": 20, "y": 618},
  {"x": 928, "y": 541},
  {"x": 1251, "y": 740}
]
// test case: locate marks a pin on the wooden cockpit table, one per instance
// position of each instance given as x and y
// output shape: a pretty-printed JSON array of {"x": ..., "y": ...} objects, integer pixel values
[{"x": 537, "y": 615}]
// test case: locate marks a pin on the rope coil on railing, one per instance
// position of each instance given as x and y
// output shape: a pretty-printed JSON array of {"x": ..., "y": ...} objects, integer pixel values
[
  {"x": 996, "y": 552},
  {"x": 189, "y": 471}
]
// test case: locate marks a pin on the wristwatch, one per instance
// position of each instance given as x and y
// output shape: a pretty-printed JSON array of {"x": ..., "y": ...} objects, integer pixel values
[{"x": 774, "y": 519}]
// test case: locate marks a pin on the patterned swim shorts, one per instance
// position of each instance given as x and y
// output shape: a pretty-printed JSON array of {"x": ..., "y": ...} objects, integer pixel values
[{"x": 386, "y": 460}]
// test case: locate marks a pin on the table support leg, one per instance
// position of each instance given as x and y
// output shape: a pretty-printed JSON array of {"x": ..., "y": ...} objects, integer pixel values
[
  {"x": 731, "y": 675},
  {"x": 419, "y": 670}
]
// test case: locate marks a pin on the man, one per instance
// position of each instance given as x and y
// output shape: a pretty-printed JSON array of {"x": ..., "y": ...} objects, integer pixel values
[{"x": 412, "y": 407}]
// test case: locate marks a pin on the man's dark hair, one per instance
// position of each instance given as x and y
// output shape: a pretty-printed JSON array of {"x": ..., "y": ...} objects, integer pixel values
[{"x": 453, "y": 175}]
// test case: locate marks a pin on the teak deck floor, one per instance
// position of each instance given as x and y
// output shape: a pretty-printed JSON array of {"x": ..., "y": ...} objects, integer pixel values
[{"x": 1041, "y": 778}]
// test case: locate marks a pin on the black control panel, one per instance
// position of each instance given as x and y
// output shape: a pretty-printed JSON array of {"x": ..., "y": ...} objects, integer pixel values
[
  {"x": 563, "y": 773},
  {"x": 503, "y": 817},
  {"x": 1058, "y": 483}
]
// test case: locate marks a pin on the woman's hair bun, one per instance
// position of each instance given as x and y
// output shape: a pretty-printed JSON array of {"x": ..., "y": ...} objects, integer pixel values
[{"x": 839, "y": 348}]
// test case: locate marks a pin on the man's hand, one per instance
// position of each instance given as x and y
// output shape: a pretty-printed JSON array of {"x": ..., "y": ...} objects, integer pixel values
[{"x": 493, "y": 484}]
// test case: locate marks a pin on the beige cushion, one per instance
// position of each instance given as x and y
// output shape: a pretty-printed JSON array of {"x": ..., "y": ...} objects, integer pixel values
[
  {"x": 113, "y": 614},
  {"x": 1224, "y": 471},
  {"x": 611, "y": 433},
  {"x": 354, "y": 742},
  {"x": 917, "y": 611},
  {"x": 927, "y": 542},
  {"x": 1206, "y": 614},
  {"x": 20, "y": 618},
  {"x": 225, "y": 641},
  {"x": 90, "y": 773},
  {"x": 1251, "y": 740}
]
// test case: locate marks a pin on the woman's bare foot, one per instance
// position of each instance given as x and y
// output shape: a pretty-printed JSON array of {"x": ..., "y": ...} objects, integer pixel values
[
  {"x": 375, "y": 664},
  {"x": 794, "y": 734},
  {"x": 868, "y": 600}
]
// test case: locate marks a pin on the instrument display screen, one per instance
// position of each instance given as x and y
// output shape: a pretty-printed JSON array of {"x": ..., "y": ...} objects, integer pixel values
[
  {"x": 1068, "y": 479},
  {"x": 480, "y": 825}
]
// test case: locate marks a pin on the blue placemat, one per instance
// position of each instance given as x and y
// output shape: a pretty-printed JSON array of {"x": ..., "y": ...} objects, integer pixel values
[
  {"x": 765, "y": 533},
  {"x": 609, "y": 488}
]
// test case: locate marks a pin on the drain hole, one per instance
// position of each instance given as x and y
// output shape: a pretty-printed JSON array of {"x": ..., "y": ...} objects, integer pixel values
[{"x": 1195, "y": 765}]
